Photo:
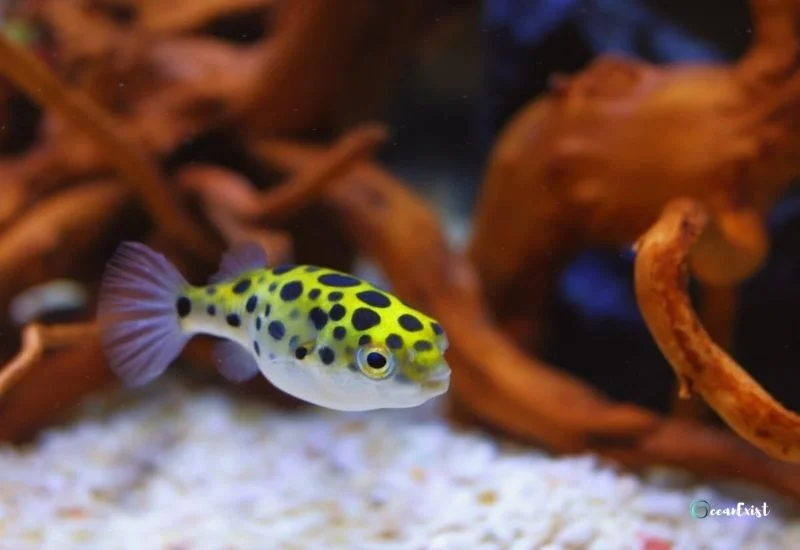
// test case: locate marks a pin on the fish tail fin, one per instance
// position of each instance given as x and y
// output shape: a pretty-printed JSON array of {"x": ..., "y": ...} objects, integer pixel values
[{"x": 139, "y": 311}]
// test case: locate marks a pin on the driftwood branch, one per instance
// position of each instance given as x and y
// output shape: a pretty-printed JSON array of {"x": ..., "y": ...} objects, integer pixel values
[
  {"x": 592, "y": 164},
  {"x": 36, "y": 340},
  {"x": 307, "y": 185},
  {"x": 776, "y": 48},
  {"x": 662, "y": 272},
  {"x": 72, "y": 367},
  {"x": 228, "y": 200},
  {"x": 60, "y": 236},
  {"x": 280, "y": 203},
  {"x": 134, "y": 165}
]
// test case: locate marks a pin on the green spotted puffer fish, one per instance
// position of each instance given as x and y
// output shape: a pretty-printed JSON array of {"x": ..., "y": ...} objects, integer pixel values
[{"x": 323, "y": 336}]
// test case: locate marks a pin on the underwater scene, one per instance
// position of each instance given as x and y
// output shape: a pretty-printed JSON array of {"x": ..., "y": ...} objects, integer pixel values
[{"x": 409, "y": 275}]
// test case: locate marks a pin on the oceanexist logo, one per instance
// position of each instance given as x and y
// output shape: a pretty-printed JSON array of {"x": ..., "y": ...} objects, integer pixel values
[{"x": 701, "y": 509}]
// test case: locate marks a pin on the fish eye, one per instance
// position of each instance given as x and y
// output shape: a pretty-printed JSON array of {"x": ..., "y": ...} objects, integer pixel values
[{"x": 375, "y": 362}]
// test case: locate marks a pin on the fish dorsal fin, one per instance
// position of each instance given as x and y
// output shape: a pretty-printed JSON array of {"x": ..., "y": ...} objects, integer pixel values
[
  {"x": 234, "y": 362},
  {"x": 239, "y": 259}
]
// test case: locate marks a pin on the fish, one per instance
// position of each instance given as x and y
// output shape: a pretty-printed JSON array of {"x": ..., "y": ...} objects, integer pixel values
[{"x": 321, "y": 335}]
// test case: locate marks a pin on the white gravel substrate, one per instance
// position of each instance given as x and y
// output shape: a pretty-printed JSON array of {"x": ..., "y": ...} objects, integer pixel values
[{"x": 179, "y": 469}]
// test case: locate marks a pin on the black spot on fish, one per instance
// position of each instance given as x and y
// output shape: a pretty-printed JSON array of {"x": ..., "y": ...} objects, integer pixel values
[
  {"x": 281, "y": 269},
  {"x": 410, "y": 323},
  {"x": 183, "y": 305},
  {"x": 276, "y": 330},
  {"x": 353, "y": 367},
  {"x": 258, "y": 323},
  {"x": 291, "y": 291},
  {"x": 242, "y": 286},
  {"x": 374, "y": 298},
  {"x": 211, "y": 290},
  {"x": 339, "y": 333},
  {"x": 272, "y": 356},
  {"x": 364, "y": 318},
  {"x": 423, "y": 345},
  {"x": 267, "y": 311},
  {"x": 293, "y": 341},
  {"x": 402, "y": 378},
  {"x": 294, "y": 314},
  {"x": 337, "y": 279},
  {"x": 318, "y": 317},
  {"x": 257, "y": 348},
  {"x": 272, "y": 287},
  {"x": 261, "y": 279},
  {"x": 337, "y": 312},
  {"x": 394, "y": 341},
  {"x": 314, "y": 294},
  {"x": 335, "y": 296},
  {"x": 326, "y": 355},
  {"x": 437, "y": 329},
  {"x": 364, "y": 340},
  {"x": 251, "y": 304},
  {"x": 312, "y": 269},
  {"x": 300, "y": 353},
  {"x": 233, "y": 320},
  {"x": 211, "y": 309}
]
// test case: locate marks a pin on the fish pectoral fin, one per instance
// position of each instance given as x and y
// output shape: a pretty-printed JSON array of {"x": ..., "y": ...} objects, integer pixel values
[{"x": 234, "y": 362}]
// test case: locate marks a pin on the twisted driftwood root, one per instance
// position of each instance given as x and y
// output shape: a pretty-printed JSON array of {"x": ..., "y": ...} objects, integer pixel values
[
  {"x": 133, "y": 164},
  {"x": 592, "y": 164},
  {"x": 709, "y": 453},
  {"x": 60, "y": 236},
  {"x": 58, "y": 363},
  {"x": 662, "y": 273},
  {"x": 36, "y": 339}
]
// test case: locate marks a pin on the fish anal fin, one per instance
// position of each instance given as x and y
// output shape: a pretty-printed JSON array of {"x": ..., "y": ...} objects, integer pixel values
[{"x": 234, "y": 362}]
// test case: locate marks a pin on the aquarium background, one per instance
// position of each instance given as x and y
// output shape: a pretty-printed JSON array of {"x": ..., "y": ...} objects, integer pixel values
[{"x": 450, "y": 103}]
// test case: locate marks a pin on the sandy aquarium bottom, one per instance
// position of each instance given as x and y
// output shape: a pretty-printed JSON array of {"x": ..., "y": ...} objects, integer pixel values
[{"x": 170, "y": 467}]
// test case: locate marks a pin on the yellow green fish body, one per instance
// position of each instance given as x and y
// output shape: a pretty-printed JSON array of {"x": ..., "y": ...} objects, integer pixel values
[{"x": 326, "y": 337}]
